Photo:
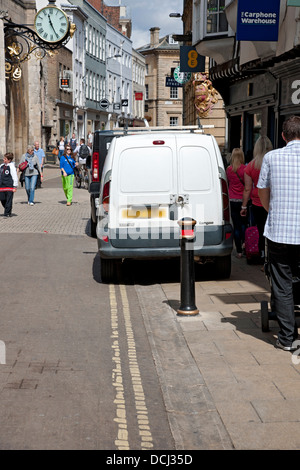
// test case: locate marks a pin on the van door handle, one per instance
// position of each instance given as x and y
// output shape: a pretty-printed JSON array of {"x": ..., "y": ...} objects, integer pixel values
[{"x": 182, "y": 199}]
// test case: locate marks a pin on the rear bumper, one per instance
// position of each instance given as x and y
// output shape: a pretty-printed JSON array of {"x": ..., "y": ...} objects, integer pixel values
[{"x": 159, "y": 248}]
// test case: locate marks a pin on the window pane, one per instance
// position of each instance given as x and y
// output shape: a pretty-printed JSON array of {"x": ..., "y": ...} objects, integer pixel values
[
  {"x": 212, "y": 5},
  {"x": 212, "y": 23},
  {"x": 223, "y": 25}
]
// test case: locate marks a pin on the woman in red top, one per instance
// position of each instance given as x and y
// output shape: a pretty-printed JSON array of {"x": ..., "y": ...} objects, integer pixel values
[
  {"x": 262, "y": 146},
  {"x": 235, "y": 178}
]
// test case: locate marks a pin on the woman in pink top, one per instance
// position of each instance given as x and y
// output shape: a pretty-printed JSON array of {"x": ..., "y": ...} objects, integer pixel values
[
  {"x": 262, "y": 146},
  {"x": 235, "y": 178}
]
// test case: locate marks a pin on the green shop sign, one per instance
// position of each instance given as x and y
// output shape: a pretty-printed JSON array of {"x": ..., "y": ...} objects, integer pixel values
[{"x": 181, "y": 77}]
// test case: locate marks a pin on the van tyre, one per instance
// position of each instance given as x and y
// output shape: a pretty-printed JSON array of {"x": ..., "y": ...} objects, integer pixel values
[
  {"x": 109, "y": 270},
  {"x": 223, "y": 266}
]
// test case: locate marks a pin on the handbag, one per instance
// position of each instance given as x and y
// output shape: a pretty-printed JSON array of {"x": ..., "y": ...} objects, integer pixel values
[
  {"x": 22, "y": 167},
  {"x": 55, "y": 151}
]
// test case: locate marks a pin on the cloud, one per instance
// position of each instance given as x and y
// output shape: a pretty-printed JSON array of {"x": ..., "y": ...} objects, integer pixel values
[{"x": 146, "y": 14}]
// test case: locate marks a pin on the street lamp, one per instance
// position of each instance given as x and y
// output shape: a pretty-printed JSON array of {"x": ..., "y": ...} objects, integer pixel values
[{"x": 175, "y": 15}]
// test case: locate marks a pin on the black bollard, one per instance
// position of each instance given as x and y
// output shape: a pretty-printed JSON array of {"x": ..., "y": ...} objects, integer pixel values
[{"x": 187, "y": 269}]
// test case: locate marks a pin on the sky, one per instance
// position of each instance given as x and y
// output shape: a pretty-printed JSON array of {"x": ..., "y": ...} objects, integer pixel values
[{"x": 146, "y": 14}]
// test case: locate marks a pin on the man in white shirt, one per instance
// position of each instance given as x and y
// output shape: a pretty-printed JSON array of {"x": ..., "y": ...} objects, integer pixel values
[{"x": 279, "y": 192}]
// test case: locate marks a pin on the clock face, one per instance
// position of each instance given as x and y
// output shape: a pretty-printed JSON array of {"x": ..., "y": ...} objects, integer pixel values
[{"x": 51, "y": 24}]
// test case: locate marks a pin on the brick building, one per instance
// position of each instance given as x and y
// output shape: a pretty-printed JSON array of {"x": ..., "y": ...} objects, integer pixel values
[{"x": 116, "y": 16}]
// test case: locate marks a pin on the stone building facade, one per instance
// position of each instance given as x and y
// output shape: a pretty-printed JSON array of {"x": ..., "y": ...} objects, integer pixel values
[
  {"x": 163, "y": 104},
  {"x": 138, "y": 87},
  {"x": 21, "y": 100},
  {"x": 217, "y": 116}
]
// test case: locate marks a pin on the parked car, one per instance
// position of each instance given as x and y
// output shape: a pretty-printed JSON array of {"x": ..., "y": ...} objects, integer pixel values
[{"x": 151, "y": 180}]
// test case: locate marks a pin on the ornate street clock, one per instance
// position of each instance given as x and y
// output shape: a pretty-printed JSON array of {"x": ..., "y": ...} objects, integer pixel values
[{"x": 51, "y": 24}]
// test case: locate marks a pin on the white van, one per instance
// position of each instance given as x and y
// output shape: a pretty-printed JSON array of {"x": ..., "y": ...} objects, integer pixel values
[{"x": 150, "y": 181}]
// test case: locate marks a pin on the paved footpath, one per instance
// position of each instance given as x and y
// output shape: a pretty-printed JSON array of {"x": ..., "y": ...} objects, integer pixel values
[
  {"x": 50, "y": 213},
  {"x": 225, "y": 386},
  {"x": 250, "y": 385}
]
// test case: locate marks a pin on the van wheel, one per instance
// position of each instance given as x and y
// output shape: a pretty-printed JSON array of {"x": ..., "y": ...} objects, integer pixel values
[
  {"x": 223, "y": 266},
  {"x": 109, "y": 270},
  {"x": 93, "y": 228}
]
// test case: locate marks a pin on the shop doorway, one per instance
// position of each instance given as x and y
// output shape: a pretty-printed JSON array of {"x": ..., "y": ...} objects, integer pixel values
[{"x": 235, "y": 132}]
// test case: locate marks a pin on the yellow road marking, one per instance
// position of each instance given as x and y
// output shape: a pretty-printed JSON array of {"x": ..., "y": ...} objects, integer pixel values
[
  {"x": 139, "y": 396},
  {"x": 117, "y": 379},
  {"x": 122, "y": 440}
]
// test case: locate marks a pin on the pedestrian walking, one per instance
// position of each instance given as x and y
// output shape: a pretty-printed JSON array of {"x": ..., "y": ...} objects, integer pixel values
[
  {"x": 31, "y": 173},
  {"x": 235, "y": 178},
  {"x": 82, "y": 152},
  {"x": 251, "y": 175},
  {"x": 8, "y": 183},
  {"x": 90, "y": 138},
  {"x": 67, "y": 165},
  {"x": 39, "y": 152},
  {"x": 278, "y": 188},
  {"x": 61, "y": 147},
  {"x": 73, "y": 142}
]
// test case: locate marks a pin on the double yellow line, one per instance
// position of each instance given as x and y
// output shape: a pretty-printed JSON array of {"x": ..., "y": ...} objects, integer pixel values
[{"x": 122, "y": 440}]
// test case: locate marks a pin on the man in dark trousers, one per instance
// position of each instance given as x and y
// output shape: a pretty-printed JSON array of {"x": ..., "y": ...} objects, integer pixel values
[
  {"x": 8, "y": 183},
  {"x": 279, "y": 192}
]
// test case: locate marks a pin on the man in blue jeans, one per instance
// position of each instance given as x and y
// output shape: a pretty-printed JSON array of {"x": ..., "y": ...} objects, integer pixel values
[
  {"x": 41, "y": 156},
  {"x": 279, "y": 192},
  {"x": 31, "y": 172}
]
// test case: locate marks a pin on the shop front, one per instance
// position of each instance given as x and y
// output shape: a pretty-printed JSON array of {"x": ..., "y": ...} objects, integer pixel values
[
  {"x": 66, "y": 127},
  {"x": 251, "y": 111}
]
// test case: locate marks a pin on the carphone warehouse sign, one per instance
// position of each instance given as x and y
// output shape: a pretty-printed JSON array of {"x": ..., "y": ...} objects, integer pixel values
[{"x": 258, "y": 20}]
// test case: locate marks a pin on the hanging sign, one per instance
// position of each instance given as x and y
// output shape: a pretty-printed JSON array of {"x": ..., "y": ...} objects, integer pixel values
[
  {"x": 171, "y": 82},
  {"x": 182, "y": 77},
  {"x": 190, "y": 60},
  {"x": 257, "y": 20}
]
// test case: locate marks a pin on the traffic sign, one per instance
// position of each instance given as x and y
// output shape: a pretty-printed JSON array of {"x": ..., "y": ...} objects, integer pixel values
[
  {"x": 117, "y": 106},
  {"x": 124, "y": 102},
  {"x": 104, "y": 103}
]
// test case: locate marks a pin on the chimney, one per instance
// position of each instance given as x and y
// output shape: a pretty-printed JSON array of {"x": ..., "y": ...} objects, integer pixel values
[{"x": 154, "y": 36}]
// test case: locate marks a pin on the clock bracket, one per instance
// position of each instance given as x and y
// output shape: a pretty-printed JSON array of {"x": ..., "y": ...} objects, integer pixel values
[{"x": 21, "y": 43}]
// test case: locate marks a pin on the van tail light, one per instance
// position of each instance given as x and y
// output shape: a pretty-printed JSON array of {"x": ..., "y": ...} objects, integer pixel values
[
  {"x": 225, "y": 199},
  {"x": 95, "y": 167},
  {"x": 105, "y": 197}
]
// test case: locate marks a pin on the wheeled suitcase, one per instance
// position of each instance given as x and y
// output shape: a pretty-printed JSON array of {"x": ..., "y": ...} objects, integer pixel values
[{"x": 251, "y": 243}]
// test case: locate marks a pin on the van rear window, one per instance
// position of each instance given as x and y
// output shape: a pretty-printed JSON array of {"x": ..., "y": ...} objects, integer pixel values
[{"x": 146, "y": 169}]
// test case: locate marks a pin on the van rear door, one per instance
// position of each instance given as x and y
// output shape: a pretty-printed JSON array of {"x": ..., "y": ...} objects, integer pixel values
[
  {"x": 143, "y": 191},
  {"x": 199, "y": 189}
]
